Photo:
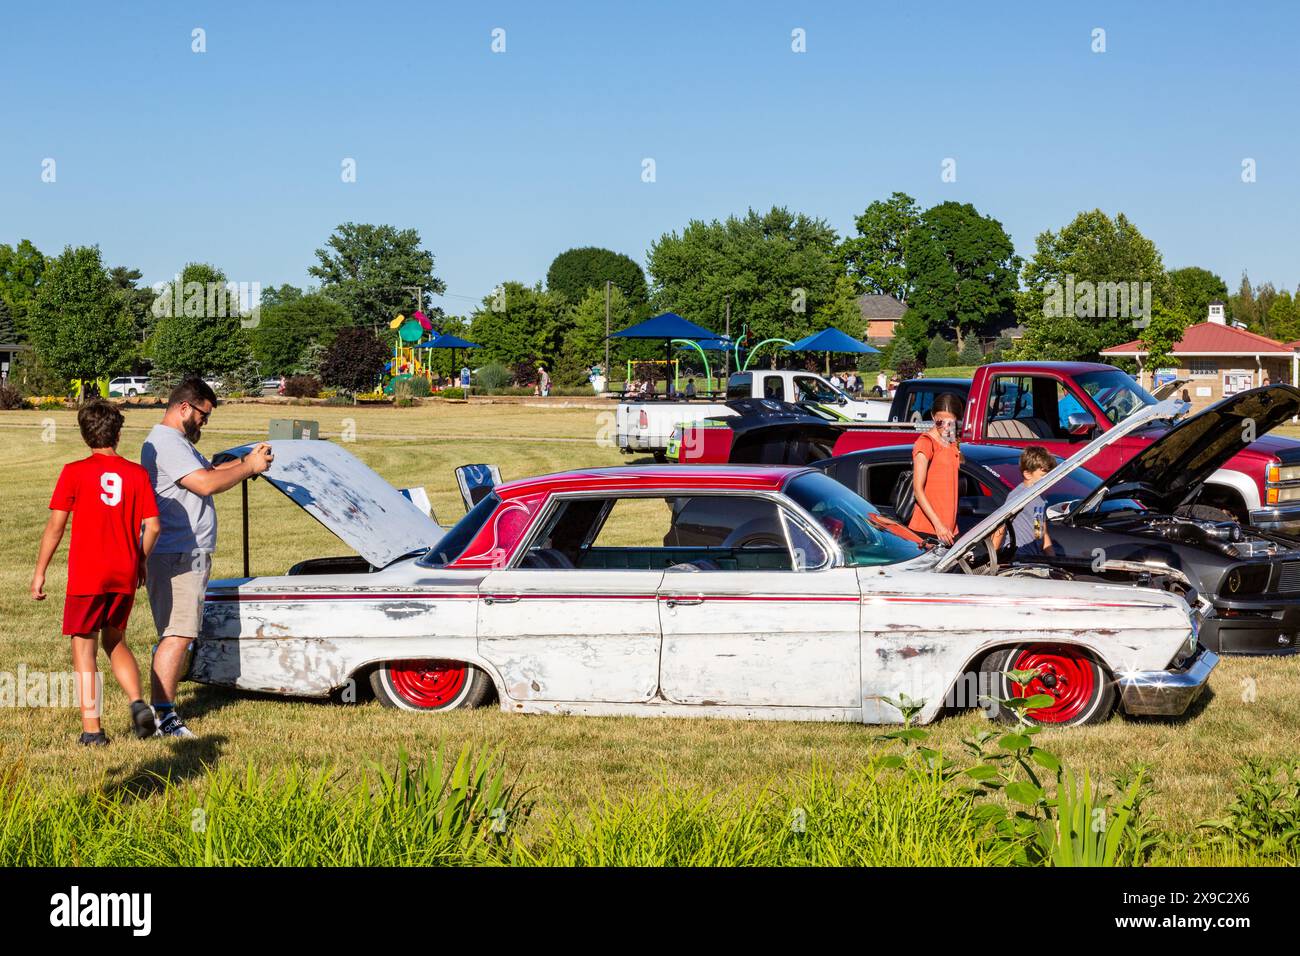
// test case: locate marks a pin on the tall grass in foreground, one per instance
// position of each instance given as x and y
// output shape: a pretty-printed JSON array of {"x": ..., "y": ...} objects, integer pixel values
[
  {"x": 918, "y": 809},
  {"x": 440, "y": 812},
  {"x": 448, "y": 813},
  {"x": 870, "y": 818}
]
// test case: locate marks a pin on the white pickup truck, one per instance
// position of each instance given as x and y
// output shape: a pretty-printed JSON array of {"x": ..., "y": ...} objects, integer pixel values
[{"x": 645, "y": 425}]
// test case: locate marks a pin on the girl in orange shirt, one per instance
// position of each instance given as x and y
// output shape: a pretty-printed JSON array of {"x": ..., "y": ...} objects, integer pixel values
[{"x": 936, "y": 458}]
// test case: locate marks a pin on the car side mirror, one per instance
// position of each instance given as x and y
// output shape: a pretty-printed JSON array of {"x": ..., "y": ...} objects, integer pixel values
[{"x": 1080, "y": 424}]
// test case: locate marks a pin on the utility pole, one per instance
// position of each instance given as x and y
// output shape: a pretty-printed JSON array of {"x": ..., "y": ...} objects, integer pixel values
[
  {"x": 608, "y": 379},
  {"x": 419, "y": 296}
]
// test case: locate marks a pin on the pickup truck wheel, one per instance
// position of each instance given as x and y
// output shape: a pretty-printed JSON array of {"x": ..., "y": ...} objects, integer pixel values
[
  {"x": 429, "y": 685},
  {"x": 1081, "y": 686},
  {"x": 661, "y": 457}
]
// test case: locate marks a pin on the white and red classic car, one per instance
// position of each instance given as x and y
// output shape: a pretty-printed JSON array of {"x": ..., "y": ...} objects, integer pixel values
[{"x": 736, "y": 591}]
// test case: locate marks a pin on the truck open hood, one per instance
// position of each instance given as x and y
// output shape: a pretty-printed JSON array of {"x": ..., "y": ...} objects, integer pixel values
[
  {"x": 1175, "y": 466},
  {"x": 1022, "y": 495},
  {"x": 338, "y": 490}
]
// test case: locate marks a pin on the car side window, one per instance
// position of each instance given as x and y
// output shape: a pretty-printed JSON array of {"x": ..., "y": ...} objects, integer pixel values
[
  {"x": 653, "y": 532},
  {"x": 774, "y": 388}
]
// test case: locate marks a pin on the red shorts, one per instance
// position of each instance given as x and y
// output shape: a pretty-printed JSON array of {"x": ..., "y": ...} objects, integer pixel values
[{"x": 88, "y": 613}]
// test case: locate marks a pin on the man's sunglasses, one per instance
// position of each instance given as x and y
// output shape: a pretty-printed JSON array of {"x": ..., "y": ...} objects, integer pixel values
[{"x": 201, "y": 412}]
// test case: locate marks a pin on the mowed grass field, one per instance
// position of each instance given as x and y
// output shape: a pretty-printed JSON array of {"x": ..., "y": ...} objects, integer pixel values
[{"x": 566, "y": 762}]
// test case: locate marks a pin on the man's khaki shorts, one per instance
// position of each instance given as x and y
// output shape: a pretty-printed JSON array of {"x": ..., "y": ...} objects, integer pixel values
[{"x": 176, "y": 585}]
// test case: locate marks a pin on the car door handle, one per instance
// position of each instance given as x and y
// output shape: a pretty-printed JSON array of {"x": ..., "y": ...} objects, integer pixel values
[
  {"x": 677, "y": 599},
  {"x": 500, "y": 598}
]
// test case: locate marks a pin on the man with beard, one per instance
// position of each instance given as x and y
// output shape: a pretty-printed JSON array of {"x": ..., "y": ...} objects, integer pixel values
[{"x": 178, "y": 568}]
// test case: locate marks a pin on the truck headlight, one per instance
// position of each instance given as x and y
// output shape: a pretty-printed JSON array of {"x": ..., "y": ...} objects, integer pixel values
[{"x": 1278, "y": 472}]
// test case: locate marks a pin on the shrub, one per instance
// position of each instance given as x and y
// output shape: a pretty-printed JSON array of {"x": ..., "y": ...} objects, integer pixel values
[
  {"x": 302, "y": 386},
  {"x": 10, "y": 398},
  {"x": 354, "y": 361},
  {"x": 452, "y": 393},
  {"x": 493, "y": 375},
  {"x": 1265, "y": 813},
  {"x": 524, "y": 373},
  {"x": 419, "y": 387},
  {"x": 32, "y": 377},
  {"x": 338, "y": 398}
]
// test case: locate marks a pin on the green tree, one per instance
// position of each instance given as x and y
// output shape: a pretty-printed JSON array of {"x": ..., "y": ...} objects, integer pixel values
[
  {"x": 777, "y": 268},
  {"x": 520, "y": 323},
  {"x": 279, "y": 295},
  {"x": 78, "y": 322},
  {"x": 1284, "y": 317},
  {"x": 1252, "y": 306},
  {"x": 971, "y": 353},
  {"x": 962, "y": 269},
  {"x": 285, "y": 329},
  {"x": 1162, "y": 333},
  {"x": 373, "y": 271},
  {"x": 1097, "y": 250},
  {"x": 198, "y": 325},
  {"x": 21, "y": 268},
  {"x": 575, "y": 272},
  {"x": 874, "y": 257},
  {"x": 584, "y": 343},
  {"x": 902, "y": 358},
  {"x": 137, "y": 299},
  {"x": 939, "y": 353},
  {"x": 1193, "y": 289},
  {"x": 354, "y": 361}
]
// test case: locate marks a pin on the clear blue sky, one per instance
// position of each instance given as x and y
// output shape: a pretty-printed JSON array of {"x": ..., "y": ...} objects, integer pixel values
[{"x": 503, "y": 160}]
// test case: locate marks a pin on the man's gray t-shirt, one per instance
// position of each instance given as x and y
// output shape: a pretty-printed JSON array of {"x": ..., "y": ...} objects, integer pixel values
[
  {"x": 189, "y": 521},
  {"x": 1022, "y": 525}
]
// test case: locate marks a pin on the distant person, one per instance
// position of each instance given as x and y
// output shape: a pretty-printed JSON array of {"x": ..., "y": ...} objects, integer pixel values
[
  {"x": 936, "y": 460},
  {"x": 837, "y": 381},
  {"x": 882, "y": 383},
  {"x": 1187, "y": 397},
  {"x": 690, "y": 388},
  {"x": 1029, "y": 526},
  {"x": 178, "y": 568},
  {"x": 114, "y": 529},
  {"x": 544, "y": 381}
]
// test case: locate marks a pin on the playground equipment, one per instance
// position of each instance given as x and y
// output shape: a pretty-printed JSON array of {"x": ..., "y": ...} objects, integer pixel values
[
  {"x": 406, "y": 362},
  {"x": 754, "y": 351}
]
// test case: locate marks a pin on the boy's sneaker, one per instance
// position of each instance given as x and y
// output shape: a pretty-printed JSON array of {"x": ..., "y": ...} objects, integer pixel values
[
  {"x": 97, "y": 739},
  {"x": 143, "y": 720},
  {"x": 172, "y": 726}
]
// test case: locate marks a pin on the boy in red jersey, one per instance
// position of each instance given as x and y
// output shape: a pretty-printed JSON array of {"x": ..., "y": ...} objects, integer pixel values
[{"x": 113, "y": 500}]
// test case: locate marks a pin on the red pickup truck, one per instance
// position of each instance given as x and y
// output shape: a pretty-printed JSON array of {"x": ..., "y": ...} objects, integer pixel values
[{"x": 1063, "y": 405}]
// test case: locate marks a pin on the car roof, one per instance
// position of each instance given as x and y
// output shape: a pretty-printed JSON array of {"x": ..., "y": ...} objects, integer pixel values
[
  {"x": 1068, "y": 368},
  {"x": 655, "y": 477},
  {"x": 948, "y": 382}
]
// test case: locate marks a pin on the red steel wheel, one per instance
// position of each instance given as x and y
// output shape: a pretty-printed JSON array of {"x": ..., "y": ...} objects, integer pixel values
[
  {"x": 1081, "y": 689},
  {"x": 429, "y": 684}
]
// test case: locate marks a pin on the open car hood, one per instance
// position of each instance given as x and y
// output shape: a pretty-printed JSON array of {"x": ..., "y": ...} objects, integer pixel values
[
  {"x": 1174, "y": 467},
  {"x": 1022, "y": 495},
  {"x": 338, "y": 490}
]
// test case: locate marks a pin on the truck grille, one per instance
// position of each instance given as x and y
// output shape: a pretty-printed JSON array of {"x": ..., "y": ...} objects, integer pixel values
[{"x": 1289, "y": 580}]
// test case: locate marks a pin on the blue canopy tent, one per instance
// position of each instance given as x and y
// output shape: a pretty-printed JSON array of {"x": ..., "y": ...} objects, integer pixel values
[
  {"x": 447, "y": 341},
  {"x": 668, "y": 326},
  {"x": 828, "y": 341}
]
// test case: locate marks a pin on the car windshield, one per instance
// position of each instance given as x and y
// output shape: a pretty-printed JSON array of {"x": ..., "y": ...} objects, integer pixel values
[
  {"x": 453, "y": 544},
  {"x": 865, "y": 536},
  {"x": 816, "y": 390},
  {"x": 1115, "y": 393}
]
